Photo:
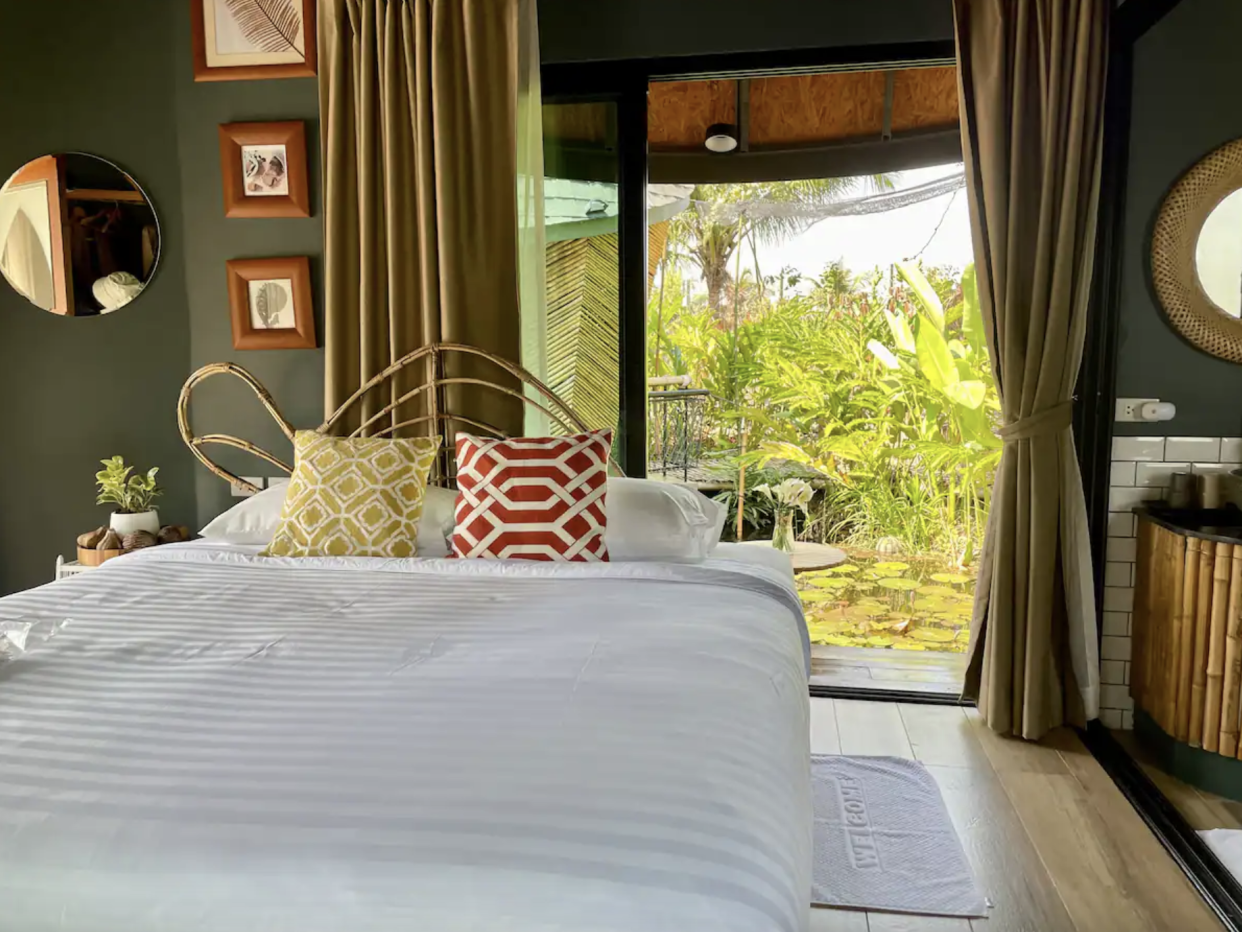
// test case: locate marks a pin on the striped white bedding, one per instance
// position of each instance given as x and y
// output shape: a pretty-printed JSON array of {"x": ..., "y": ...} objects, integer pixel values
[{"x": 220, "y": 742}]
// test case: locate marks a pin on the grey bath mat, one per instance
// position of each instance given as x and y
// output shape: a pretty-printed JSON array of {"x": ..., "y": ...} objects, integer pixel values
[{"x": 884, "y": 840}]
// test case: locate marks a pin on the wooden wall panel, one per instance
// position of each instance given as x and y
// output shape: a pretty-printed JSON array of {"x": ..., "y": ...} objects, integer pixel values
[
  {"x": 803, "y": 109},
  {"x": 813, "y": 108},
  {"x": 679, "y": 112},
  {"x": 924, "y": 98}
]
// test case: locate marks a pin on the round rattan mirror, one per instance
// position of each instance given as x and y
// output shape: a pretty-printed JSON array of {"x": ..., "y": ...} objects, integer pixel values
[{"x": 1196, "y": 254}]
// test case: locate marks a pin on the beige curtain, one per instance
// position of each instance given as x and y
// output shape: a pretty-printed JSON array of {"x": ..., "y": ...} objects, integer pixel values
[
  {"x": 1032, "y": 87},
  {"x": 418, "y": 104}
]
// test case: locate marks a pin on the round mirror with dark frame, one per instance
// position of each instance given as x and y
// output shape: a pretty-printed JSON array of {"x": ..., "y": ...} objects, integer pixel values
[
  {"x": 1196, "y": 254},
  {"x": 78, "y": 235}
]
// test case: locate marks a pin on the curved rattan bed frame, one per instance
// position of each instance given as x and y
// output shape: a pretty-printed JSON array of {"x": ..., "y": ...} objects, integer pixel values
[{"x": 555, "y": 408}]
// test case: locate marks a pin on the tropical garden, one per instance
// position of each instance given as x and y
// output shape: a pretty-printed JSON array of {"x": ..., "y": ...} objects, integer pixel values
[{"x": 857, "y": 407}]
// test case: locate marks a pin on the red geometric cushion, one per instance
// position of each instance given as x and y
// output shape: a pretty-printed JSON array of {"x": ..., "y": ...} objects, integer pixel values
[{"x": 532, "y": 498}]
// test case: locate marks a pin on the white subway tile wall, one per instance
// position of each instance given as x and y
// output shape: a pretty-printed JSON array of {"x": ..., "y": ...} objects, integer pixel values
[
  {"x": 1140, "y": 472},
  {"x": 1157, "y": 474},
  {"x": 1121, "y": 524},
  {"x": 1143, "y": 449},
  {"x": 1122, "y": 474},
  {"x": 1192, "y": 449}
]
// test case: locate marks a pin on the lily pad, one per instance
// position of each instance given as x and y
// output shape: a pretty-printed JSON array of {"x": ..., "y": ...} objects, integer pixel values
[
  {"x": 950, "y": 577},
  {"x": 865, "y": 611},
  {"x": 937, "y": 590},
  {"x": 899, "y": 583},
  {"x": 816, "y": 595},
  {"x": 829, "y": 582},
  {"x": 840, "y": 640},
  {"x": 879, "y": 640},
  {"x": 907, "y": 645},
  {"x": 930, "y": 605},
  {"x": 844, "y": 568},
  {"x": 938, "y": 635}
]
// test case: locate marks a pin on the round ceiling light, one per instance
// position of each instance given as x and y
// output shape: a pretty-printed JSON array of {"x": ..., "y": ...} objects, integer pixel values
[{"x": 721, "y": 137}]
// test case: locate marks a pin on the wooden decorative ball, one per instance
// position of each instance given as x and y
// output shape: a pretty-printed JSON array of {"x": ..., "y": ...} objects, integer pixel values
[
  {"x": 90, "y": 540},
  {"x": 173, "y": 534},
  {"x": 138, "y": 540}
]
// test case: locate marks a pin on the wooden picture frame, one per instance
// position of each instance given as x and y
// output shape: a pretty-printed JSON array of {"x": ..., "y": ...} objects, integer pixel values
[
  {"x": 264, "y": 170},
  {"x": 271, "y": 304},
  {"x": 260, "y": 40}
]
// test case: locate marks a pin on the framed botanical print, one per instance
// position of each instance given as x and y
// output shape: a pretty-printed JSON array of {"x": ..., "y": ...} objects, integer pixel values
[
  {"x": 239, "y": 40},
  {"x": 270, "y": 300},
  {"x": 263, "y": 166}
]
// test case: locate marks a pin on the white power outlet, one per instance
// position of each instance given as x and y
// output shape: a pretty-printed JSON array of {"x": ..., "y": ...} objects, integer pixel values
[{"x": 1128, "y": 409}]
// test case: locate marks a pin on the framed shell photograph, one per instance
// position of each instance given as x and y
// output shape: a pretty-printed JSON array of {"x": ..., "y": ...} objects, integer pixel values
[
  {"x": 246, "y": 40},
  {"x": 270, "y": 301},
  {"x": 263, "y": 168}
]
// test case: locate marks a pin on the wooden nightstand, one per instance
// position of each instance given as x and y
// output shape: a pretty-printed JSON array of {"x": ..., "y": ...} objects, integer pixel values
[{"x": 72, "y": 568}]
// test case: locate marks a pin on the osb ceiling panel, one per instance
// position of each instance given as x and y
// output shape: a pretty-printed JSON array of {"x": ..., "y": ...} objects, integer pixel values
[
  {"x": 679, "y": 112},
  {"x": 808, "y": 108},
  {"x": 924, "y": 98},
  {"x": 803, "y": 109}
]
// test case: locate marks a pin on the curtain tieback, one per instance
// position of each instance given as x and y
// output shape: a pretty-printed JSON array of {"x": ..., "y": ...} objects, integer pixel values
[{"x": 1048, "y": 421}]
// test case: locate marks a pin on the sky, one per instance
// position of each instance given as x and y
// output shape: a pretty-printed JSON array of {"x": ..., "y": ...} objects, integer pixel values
[{"x": 869, "y": 240}]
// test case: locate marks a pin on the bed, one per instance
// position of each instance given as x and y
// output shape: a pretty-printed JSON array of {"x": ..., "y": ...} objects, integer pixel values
[{"x": 215, "y": 740}]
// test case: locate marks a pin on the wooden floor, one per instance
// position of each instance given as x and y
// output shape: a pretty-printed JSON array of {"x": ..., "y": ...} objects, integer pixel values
[
  {"x": 1203, "y": 810},
  {"x": 881, "y": 668},
  {"x": 1054, "y": 844}
]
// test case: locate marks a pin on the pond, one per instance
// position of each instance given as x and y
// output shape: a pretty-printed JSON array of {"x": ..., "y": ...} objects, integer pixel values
[{"x": 877, "y": 600}]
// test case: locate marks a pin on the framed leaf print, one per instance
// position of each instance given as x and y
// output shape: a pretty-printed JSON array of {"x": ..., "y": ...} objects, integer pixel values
[
  {"x": 238, "y": 40},
  {"x": 270, "y": 300},
  {"x": 263, "y": 166}
]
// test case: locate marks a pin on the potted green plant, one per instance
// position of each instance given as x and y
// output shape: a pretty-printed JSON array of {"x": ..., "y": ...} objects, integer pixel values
[
  {"x": 788, "y": 495},
  {"x": 134, "y": 496}
]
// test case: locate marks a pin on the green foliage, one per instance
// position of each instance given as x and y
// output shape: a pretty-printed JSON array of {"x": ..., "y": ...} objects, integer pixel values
[
  {"x": 131, "y": 494},
  {"x": 878, "y": 384}
]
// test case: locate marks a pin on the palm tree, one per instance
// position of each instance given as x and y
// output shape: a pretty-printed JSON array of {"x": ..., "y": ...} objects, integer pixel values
[{"x": 722, "y": 216}]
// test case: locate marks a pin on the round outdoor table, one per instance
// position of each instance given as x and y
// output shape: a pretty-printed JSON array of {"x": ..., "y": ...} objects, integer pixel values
[{"x": 807, "y": 556}]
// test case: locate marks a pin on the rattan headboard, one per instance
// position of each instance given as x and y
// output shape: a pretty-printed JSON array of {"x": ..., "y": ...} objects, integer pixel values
[{"x": 558, "y": 411}]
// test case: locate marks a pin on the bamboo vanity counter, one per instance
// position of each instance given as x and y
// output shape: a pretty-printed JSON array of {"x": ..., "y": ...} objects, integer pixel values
[{"x": 1186, "y": 663}]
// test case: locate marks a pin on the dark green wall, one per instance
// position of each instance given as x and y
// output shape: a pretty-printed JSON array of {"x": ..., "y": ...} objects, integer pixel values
[
  {"x": 574, "y": 30},
  {"x": 294, "y": 377},
  {"x": 1184, "y": 105},
  {"x": 96, "y": 77}
]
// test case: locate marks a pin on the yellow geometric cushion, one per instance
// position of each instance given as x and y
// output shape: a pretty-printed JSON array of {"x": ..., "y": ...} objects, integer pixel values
[{"x": 354, "y": 496}]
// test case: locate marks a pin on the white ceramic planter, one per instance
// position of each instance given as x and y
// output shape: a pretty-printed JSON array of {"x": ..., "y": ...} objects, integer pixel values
[{"x": 127, "y": 524}]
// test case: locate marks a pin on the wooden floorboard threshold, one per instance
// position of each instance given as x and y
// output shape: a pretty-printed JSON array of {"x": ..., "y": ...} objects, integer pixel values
[{"x": 1211, "y": 878}]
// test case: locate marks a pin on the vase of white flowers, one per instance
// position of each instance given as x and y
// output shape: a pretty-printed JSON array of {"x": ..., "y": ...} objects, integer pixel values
[{"x": 789, "y": 496}]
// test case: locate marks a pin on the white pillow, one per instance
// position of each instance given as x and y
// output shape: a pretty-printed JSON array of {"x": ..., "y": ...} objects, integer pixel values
[
  {"x": 650, "y": 520},
  {"x": 254, "y": 520}
]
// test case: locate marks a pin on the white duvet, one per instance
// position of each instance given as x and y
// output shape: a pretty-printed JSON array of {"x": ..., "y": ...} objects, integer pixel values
[{"x": 218, "y": 741}]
